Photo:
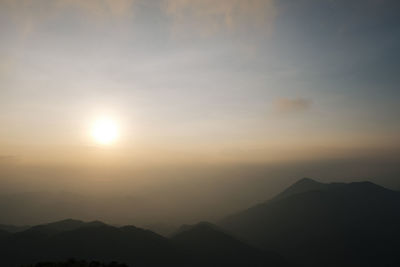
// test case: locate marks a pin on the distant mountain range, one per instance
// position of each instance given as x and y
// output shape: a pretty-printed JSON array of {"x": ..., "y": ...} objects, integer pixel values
[
  {"x": 317, "y": 224},
  {"x": 309, "y": 224},
  {"x": 199, "y": 245}
]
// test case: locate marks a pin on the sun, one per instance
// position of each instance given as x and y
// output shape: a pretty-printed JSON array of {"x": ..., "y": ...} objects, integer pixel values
[{"x": 105, "y": 131}]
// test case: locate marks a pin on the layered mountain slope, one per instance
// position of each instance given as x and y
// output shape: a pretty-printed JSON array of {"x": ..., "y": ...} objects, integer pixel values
[
  {"x": 3, "y": 233},
  {"x": 13, "y": 228},
  {"x": 318, "y": 224},
  {"x": 206, "y": 241},
  {"x": 201, "y": 245},
  {"x": 50, "y": 229}
]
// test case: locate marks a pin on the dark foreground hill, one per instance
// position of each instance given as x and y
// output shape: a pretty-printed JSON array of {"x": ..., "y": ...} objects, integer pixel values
[
  {"x": 204, "y": 240},
  {"x": 199, "y": 246},
  {"x": 3, "y": 233},
  {"x": 76, "y": 263},
  {"x": 316, "y": 224},
  {"x": 13, "y": 228}
]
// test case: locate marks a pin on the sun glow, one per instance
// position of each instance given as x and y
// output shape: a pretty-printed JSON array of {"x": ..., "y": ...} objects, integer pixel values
[{"x": 105, "y": 131}]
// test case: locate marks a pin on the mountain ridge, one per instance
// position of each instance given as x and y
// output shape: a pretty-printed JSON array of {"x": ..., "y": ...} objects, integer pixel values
[
  {"x": 68, "y": 238},
  {"x": 325, "y": 218}
]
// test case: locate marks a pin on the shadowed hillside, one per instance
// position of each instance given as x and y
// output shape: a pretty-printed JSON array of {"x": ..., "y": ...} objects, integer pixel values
[
  {"x": 309, "y": 223},
  {"x": 76, "y": 263},
  {"x": 204, "y": 240},
  {"x": 200, "y": 245},
  {"x": 317, "y": 224}
]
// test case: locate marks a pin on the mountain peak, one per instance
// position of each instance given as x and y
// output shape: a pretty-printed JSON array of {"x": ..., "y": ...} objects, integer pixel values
[
  {"x": 66, "y": 221},
  {"x": 343, "y": 213},
  {"x": 306, "y": 180},
  {"x": 59, "y": 226},
  {"x": 301, "y": 186}
]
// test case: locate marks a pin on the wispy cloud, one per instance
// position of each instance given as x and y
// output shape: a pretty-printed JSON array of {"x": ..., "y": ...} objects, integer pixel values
[
  {"x": 100, "y": 7},
  {"x": 292, "y": 105},
  {"x": 210, "y": 16},
  {"x": 41, "y": 7},
  {"x": 194, "y": 16},
  {"x": 29, "y": 14}
]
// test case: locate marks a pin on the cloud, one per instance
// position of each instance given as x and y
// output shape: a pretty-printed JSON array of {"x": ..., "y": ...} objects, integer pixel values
[
  {"x": 29, "y": 14},
  {"x": 292, "y": 105},
  {"x": 99, "y": 7},
  {"x": 42, "y": 7},
  {"x": 210, "y": 16},
  {"x": 202, "y": 17}
]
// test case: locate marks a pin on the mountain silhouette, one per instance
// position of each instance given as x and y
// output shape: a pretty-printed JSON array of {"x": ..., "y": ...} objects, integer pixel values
[
  {"x": 310, "y": 223},
  {"x": 13, "y": 228},
  {"x": 317, "y": 224},
  {"x": 302, "y": 186},
  {"x": 205, "y": 241},
  {"x": 56, "y": 227},
  {"x": 201, "y": 245},
  {"x": 4, "y": 233},
  {"x": 90, "y": 241},
  {"x": 76, "y": 263}
]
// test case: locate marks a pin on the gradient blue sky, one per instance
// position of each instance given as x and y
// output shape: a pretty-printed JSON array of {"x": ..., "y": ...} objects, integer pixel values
[{"x": 256, "y": 80}]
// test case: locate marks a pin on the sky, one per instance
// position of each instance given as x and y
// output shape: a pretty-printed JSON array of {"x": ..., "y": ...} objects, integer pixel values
[
  {"x": 230, "y": 80},
  {"x": 198, "y": 83}
]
